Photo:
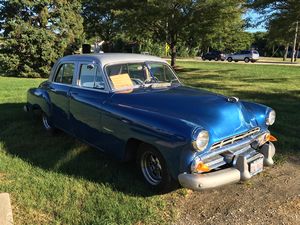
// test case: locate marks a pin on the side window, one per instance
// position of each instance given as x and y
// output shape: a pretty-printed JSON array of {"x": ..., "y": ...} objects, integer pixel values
[
  {"x": 68, "y": 73},
  {"x": 65, "y": 73},
  {"x": 59, "y": 74},
  {"x": 91, "y": 76}
]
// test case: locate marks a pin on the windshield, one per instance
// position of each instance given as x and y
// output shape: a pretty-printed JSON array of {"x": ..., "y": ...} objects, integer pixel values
[{"x": 136, "y": 75}]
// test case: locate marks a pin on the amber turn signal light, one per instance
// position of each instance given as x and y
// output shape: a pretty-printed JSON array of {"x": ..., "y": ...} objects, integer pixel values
[
  {"x": 270, "y": 137},
  {"x": 201, "y": 167}
]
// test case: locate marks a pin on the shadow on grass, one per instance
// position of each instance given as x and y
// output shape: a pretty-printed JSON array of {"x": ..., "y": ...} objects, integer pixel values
[
  {"x": 23, "y": 136},
  {"x": 197, "y": 70}
]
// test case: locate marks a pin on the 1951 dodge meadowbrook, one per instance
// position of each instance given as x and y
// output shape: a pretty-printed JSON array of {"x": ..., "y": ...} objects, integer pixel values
[{"x": 134, "y": 107}]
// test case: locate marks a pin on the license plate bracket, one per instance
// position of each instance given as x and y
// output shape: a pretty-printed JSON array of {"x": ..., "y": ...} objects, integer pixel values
[{"x": 256, "y": 166}]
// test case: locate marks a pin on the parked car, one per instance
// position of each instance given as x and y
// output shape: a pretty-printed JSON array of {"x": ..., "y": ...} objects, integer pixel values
[
  {"x": 214, "y": 55},
  {"x": 247, "y": 56},
  {"x": 134, "y": 107}
]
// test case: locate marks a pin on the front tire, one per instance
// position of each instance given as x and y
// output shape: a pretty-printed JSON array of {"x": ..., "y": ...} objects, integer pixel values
[
  {"x": 229, "y": 59},
  {"x": 154, "y": 169}
]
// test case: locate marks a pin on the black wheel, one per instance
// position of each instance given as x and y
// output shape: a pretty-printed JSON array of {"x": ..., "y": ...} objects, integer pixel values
[
  {"x": 154, "y": 169},
  {"x": 203, "y": 58},
  {"x": 47, "y": 124},
  {"x": 216, "y": 59},
  {"x": 247, "y": 60},
  {"x": 229, "y": 59}
]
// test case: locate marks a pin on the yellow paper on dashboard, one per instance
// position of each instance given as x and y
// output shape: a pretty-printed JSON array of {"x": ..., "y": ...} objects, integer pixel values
[{"x": 121, "y": 81}]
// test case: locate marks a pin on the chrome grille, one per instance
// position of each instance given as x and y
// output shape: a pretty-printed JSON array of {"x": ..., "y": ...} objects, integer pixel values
[{"x": 234, "y": 139}]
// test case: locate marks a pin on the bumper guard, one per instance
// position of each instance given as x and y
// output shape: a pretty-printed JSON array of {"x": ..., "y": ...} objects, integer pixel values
[{"x": 221, "y": 177}]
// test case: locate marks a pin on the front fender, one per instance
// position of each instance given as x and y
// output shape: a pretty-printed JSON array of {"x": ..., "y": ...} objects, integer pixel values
[
  {"x": 171, "y": 136},
  {"x": 259, "y": 111}
]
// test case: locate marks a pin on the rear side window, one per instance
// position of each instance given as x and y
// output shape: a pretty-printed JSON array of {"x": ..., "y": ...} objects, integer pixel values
[
  {"x": 65, "y": 73},
  {"x": 247, "y": 52},
  {"x": 91, "y": 76}
]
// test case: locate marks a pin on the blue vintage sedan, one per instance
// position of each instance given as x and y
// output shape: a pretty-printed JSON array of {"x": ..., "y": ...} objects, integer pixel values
[{"x": 134, "y": 107}]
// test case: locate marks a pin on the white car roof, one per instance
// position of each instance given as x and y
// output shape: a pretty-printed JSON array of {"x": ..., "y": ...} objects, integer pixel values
[{"x": 110, "y": 58}]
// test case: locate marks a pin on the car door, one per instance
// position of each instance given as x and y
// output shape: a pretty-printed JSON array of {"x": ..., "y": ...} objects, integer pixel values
[
  {"x": 87, "y": 99},
  {"x": 59, "y": 94},
  {"x": 244, "y": 55},
  {"x": 237, "y": 56}
]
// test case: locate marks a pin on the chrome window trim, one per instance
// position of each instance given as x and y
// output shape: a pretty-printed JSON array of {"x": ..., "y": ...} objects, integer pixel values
[
  {"x": 62, "y": 84},
  {"x": 90, "y": 89}
]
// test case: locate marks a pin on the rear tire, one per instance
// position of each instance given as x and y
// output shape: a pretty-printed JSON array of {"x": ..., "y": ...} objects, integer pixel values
[
  {"x": 154, "y": 170},
  {"x": 229, "y": 59},
  {"x": 216, "y": 59},
  {"x": 247, "y": 60}
]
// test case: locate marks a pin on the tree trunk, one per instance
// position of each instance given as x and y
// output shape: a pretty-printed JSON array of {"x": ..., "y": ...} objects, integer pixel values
[
  {"x": 297, "y": 52},
  {"x": 286, "y": 49},
  {"x": 295, "y": 41},
  {"x": 173, "y": 54}
]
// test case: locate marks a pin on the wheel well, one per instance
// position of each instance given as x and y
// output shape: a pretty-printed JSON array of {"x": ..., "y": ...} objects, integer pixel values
[
  {"x": 36, "y": 109},
  {"x": 132, "y": 147}
]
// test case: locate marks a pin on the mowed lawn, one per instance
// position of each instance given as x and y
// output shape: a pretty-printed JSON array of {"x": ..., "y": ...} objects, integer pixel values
[{"x": 58, "y": 180}]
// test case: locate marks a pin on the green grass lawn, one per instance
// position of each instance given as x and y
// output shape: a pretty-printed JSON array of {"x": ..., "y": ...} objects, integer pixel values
[{"x": 58, "y": 180}]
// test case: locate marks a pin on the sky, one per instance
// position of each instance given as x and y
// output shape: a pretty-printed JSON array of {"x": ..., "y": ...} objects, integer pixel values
[{"x": 255, "y": 17}]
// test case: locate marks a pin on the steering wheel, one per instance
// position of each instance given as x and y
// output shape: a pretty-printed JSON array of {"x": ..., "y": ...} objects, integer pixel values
[
  {"x": 153, "y": 80},
  {"x": 137, "y": 81}
]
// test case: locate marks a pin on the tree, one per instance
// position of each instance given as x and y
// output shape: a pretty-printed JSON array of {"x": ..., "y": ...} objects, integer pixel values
[
  {"x": 103, "y": 19},
  {"x": 100, "y": 19},
  {"x": 181, "y": 21},
  {"x": 37, "y": 33},
  {"x": 282, "y": 17},
  {"x": 187, "y": 23}
]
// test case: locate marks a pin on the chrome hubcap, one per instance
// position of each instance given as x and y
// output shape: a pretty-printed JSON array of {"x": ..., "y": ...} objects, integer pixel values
[
  {"x": 45, "y": 123},
  {"x": 151, "y": 168}
]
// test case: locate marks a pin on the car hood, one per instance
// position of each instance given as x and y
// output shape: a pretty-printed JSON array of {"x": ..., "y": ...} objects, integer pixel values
[{"x": 213, "y": 112}]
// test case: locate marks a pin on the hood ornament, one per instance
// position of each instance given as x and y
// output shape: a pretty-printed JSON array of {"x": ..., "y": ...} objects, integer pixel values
[{"x": 233, "y": 99}]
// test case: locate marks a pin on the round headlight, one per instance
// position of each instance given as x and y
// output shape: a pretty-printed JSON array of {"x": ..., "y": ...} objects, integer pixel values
[
  {"x": 201, "y": 141},
  {"x": 271, "y": 118}
]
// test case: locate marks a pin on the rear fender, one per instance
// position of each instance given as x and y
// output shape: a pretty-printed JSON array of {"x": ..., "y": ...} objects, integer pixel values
[{"x": 38, "y": 99}]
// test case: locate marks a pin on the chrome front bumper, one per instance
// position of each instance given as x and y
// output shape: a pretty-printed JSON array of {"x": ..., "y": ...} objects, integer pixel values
[{"x": 240, "y": 171}]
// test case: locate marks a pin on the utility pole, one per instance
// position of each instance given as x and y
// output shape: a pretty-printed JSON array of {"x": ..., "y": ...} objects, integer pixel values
[{"x": 295, "y": 42}]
